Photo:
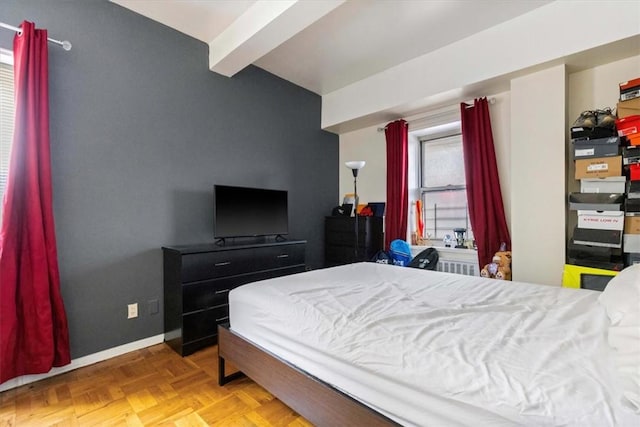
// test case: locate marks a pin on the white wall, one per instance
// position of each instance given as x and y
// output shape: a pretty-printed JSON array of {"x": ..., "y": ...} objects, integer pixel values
[
  {"x": 500, "y": 113},
  {"x": 538, "y": 175},
  {"x": 369, "y": 145},
  {"x": 559, "y": 32}
]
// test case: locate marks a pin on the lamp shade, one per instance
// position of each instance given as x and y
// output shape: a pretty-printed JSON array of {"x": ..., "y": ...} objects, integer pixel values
[{"x": 355, "y": 164}]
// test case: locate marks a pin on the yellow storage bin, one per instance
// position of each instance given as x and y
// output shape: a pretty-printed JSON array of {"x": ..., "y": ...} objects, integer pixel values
[{"x": 572, "y": 276}]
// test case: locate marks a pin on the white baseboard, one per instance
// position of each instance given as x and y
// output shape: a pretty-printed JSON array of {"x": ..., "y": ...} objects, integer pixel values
[{"x": 84, "y": 361}]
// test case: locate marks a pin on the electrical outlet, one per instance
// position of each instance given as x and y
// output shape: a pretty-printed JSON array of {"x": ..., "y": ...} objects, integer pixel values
[
  {"x": 154, "y": 306},
  {"x": 132, "y": 311}
]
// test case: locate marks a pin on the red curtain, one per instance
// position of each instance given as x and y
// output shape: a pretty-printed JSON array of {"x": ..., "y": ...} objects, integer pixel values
[
  {"x": 397, "y": 182},
  {"x": 486, "y": 209},
  {"x": 33, "y": 324}
]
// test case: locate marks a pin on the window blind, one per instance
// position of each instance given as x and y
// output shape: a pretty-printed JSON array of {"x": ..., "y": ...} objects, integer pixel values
[{"x": 7, "y": 111}]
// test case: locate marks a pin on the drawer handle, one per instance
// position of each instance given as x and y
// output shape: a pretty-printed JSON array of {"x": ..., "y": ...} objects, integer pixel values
[
  {"x": 222, "y": 319},
  {"x": 283, "y": 256},
  {"x": 224, "y": 291},
  {"x": 222, "y": 264}
]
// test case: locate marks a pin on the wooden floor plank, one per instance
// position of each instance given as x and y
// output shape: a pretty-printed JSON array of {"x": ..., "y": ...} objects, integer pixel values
[{"x": 152, "y": 386}]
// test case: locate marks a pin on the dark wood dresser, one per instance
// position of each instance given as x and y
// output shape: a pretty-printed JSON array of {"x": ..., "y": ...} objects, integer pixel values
[
  {"x": 198, "y": 278},
  {"x": 340, "y": 236}
]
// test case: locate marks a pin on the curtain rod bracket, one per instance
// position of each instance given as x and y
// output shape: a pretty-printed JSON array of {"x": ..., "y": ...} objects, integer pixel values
[{"x": 66, "y": 45}]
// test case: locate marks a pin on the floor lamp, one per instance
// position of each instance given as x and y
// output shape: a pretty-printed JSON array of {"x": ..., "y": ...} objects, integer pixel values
[{"x": 355, "y": 166}]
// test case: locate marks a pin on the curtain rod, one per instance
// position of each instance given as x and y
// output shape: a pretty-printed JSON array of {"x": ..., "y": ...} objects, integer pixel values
[
  {"x": 490, "y": 100},
  {"x": 64, "y": 43}
]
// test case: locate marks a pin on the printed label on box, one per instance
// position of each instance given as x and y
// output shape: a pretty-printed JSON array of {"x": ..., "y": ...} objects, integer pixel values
[
  {"x": 585, "y": 152},
  {"x": 630, "y": 95},
  {"x": 598, "y": 167},
  {"x": 601, "y": 220},
  {"x": 628, "y": 131}
]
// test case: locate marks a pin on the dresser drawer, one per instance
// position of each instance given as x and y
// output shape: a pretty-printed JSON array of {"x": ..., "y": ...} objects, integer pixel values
[
  {"x": 209, "y": 265},
  {"x": 341, "y": 225},
  {"x": 203, "y": 323},
  {"x": 201, "y": 295},
  {"x": 278, "y": 256},
  {"x": 346, "y": 239}
]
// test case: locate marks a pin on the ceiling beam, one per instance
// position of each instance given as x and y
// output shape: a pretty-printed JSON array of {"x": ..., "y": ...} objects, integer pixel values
[{"x": 262, "y": 28}]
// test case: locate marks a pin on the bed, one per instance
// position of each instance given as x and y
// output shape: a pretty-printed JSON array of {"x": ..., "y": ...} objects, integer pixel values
[{"x": 404, "y": 346}]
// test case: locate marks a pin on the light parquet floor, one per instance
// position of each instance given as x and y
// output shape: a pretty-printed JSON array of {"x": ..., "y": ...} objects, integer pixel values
[{"x": 149, "y": 387}]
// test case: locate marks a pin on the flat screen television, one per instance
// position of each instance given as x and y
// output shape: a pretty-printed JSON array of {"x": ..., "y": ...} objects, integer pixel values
[{"x": 249, "y": 212}]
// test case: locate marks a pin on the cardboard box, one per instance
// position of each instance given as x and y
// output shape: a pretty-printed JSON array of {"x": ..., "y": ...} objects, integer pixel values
[
  {"x": 628, "y": 108},
  {"x": 599, "y": 167},
  {"x": 612, "y": 184},
  {"x": 631, "y": 224},
  {"x": 601, "y": 220}
]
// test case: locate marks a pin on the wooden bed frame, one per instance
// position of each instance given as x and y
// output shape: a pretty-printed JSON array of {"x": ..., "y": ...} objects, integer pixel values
[{"x": 317, "y": 401}]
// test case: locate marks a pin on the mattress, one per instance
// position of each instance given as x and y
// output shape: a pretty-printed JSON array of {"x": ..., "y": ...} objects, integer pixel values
[{"x": 430, "y": 348}]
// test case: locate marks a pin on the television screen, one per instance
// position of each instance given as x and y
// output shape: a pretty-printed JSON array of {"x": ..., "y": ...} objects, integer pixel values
[{"x": 246, "y": 212}]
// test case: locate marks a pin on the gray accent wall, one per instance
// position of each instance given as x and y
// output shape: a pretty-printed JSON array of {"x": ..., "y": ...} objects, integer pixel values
[{"x": 141, "y": 130}]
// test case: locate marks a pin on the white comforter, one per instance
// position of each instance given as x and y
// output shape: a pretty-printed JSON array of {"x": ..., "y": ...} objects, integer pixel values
[{"x": 428, "y": 348}]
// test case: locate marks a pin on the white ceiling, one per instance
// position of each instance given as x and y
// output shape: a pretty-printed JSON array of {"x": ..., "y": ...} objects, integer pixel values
[{"x": 325, "y": 45}]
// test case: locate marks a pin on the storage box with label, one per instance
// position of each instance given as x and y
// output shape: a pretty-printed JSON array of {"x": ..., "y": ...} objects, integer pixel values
[
  {"x": 632, "y": 223},
  {"x": 601, "y": 147},
  {"x": 634, "y": 139},
  {"x": 628, "y": 125},
  {"x": 598, "y": 167},
  {"x": 630, "y": 155},
  {"x": 596, "y": 201},
  {"x": 628, "y": 108},
  {"x": 595, "y": 237},
  {"x": 589, "y": 133},
  {"x": 632, "y": 242},
  {"x": 612, "y": 184},
  {"x": 601, "y": 220},
  {"x": 630, "y": 89}
]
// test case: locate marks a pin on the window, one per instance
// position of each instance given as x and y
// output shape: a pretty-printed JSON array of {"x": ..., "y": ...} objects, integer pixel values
[
  {"x": 442, "y": 187},
  {"x": 7, "y": 110}
]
